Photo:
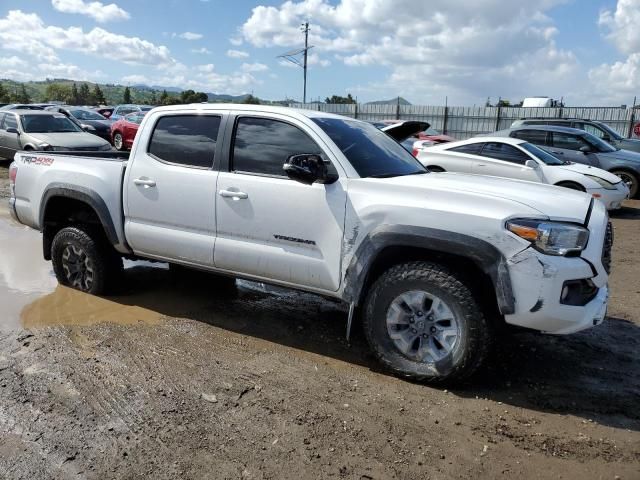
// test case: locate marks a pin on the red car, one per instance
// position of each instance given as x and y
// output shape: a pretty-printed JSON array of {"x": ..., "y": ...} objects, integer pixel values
[{"x": 123, "y": 131}]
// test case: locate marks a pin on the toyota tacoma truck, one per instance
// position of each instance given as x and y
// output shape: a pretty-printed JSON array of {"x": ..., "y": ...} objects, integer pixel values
[{"x": 431, "y": 264}]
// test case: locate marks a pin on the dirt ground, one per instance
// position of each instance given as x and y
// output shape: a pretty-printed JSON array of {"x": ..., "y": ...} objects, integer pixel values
[{"x": 178, "y": 378}]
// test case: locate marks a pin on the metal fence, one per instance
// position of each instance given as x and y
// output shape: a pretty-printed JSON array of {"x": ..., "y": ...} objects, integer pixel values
[{"x": 465, "y": 122}]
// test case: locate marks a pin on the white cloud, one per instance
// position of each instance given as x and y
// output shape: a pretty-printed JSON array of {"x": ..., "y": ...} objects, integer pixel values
[
  {"x": 135, "y": 79},
  {"x": 203, "y": 50},
  {"x": 237, "y": 54},
  {"x": 26, "y": 33},
  {"x": 237, "y": 41},
  {"x": 208, "y": 68},
  {"x": 188, "y": 35},
  {"x": 11, "y": 62},
  {"x": 623, "y": 25},
  {"x": 254, "y": 67},
  {"x": 488, "y": 50},
  {"x": 96, "y": 10}
]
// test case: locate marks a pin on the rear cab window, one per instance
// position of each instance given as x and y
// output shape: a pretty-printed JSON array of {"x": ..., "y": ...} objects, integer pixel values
[{"x": 187, "y": 140}]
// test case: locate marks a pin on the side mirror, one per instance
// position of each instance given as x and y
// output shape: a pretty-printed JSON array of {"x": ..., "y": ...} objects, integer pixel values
[
  {"x": 531, "y": 164},
  {"x": 308, "y": 168},
  {"x": 13, "y": 130},
  {"x": 586, "y": 149}
]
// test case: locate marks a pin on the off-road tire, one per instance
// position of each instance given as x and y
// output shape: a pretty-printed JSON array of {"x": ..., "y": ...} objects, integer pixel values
[
  {"x": 106, "y": 264},
  {"x": 634, "y": 188},
  {"x": 473, "y": 344}
]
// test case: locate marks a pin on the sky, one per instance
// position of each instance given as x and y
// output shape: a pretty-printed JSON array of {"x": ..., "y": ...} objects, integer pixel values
[{"x": 584, "y": 51}]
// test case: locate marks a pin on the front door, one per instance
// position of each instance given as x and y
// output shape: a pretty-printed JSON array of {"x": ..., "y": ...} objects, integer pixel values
[
  {"x": 566, "y": 146},
  {"x": 170, "y": 189},
  {"x": 272, "y": 227},
  {"x": 503, "y": 160}
]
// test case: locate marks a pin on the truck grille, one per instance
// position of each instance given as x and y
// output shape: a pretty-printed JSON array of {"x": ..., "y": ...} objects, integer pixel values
[{"x": 606, "y": 249}]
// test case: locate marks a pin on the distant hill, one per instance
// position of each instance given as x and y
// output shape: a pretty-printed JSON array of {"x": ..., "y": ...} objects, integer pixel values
[{"x": 393, "y": 101}]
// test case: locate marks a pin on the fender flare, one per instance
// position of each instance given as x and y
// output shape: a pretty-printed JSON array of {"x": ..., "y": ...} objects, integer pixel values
[
  {"x": 85, "y": 195},
  {"x": 483, "y": 254}
]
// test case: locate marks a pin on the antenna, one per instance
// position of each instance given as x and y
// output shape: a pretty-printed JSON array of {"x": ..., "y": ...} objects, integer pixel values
[{"x": 292, "y": 56}]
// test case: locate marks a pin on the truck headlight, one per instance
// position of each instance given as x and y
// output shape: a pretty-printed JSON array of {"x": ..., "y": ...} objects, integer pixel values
[
  {"x": 602, "y": 182},
  {"x": 552, "y": 238}
]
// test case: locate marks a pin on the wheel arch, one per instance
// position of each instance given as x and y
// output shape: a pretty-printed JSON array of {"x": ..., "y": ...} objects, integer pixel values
[
  {"x": 390, "y": 245},
  {"x": 571, "y": 184},
  {"x": 64, "y": 205}
]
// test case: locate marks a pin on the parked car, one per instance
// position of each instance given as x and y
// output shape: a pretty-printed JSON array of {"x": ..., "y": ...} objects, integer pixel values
[
  {"x": 595, "y": 128},
  {"x": 88, "y": 120},
  {"x": 123, "y": 131},
  {"x": 42, "y": 130},
  {"x": 330, "y": 205},
  {"x": 104, "y": 111},
  {"x": 581, "y": 147},
  {"x": 21, "y": 106},
  {"x": 122, "y": 110},
  {"x": 519, "y": 159}
]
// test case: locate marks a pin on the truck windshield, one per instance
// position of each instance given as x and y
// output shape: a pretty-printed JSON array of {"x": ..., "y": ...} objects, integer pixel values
[
  {"x": 371, "y": 152},
  {"x": 48, "y": 124}
]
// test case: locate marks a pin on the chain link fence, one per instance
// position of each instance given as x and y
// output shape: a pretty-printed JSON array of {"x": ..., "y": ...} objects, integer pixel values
[{"x": 466, "y": 122}]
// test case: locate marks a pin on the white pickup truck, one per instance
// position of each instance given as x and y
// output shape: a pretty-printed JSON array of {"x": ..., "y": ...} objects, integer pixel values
[{"x": 431, "y": 263}]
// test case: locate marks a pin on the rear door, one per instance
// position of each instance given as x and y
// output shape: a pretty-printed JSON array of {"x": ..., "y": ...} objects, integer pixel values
[
  {"x": 503, "y": 160},
  {"x": 170, "y": 188},
  {"x": 566, "y": 146},
  {"x": 269, "y": 226}
]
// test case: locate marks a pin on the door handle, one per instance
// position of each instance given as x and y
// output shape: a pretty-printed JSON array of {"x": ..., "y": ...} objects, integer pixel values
[
  {"x": 145, "y": 182},
  {"x": 234, "y": 195}
]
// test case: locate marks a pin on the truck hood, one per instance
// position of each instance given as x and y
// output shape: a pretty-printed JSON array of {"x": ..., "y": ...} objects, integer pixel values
[
  {"x": 71, "y": 140},
  {"x": 550, "y": 201},
  {"x": 589, "y": 170}
]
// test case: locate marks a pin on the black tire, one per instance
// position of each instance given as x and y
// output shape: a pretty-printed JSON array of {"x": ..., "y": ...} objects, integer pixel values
[
  {"x": 632, "y": 181},
  {"x": 83, "y": 259},
  {"x": 472, "y": 345},
  {"x": 436, "y": 169},
  {"x": 118, "y": 142},
  {"x": 571, "y": 186}
]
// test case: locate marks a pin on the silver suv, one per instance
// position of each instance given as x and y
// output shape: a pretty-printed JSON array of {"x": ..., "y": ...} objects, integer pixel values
[{"x": 595, "y": 128}]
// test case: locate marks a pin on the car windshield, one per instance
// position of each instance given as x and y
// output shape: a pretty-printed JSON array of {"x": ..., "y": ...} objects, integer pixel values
[
  {"x": 541, "y": 154},
  {"x": 600, "y": 145},
  {"x": 86, "y": 115},
  {"x": 371, "y": 152},
  {"x": 48, "y": 124},
  {"x": 612, "y": 133}
]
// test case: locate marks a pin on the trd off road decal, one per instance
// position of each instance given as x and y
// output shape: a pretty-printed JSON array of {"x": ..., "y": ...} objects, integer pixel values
[{"x": 33, "y": 160}]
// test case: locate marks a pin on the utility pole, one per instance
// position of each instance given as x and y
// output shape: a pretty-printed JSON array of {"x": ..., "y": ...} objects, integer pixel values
[{"x": 292, "y": 56}]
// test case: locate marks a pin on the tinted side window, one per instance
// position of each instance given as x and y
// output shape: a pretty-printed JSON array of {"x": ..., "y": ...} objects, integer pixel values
[
  {"x": 568, "y": 141},
  {"x": 537, "y": 137},
  {"x": 592, "y": 129},
  {"x": 502, "y": 151},
  {"x": 471, "y": 149},
  {"x": 185, "y": 139},
  {"x": 9, "y": 121},
  {"x": 262, "y": 145}
]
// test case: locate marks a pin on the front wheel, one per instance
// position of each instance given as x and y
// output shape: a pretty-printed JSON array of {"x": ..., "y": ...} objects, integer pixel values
[
  {"x": 83, "y": 260},
  {"x": 423, "y": 323},
  {"x": 118, "y": 141},
  {"x": 630, "y": 180}
]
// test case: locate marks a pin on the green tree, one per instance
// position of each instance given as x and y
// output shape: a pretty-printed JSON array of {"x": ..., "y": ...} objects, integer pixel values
[
  {"x": 250, "y": 99},
  {"x": 339, "y": 99},
  {"x": 57, "y": 91},
  {"x": 84, "y": 95},
  {"x": 126, "y": 98},
  {"x": 189, "y": 96},
  {"x": 98, "y": 95},
  {"x": 21, "y": 95},
  {"x": 74, "y": 97},
  {"x": 153, "y": 100},
  {"x": 164, "y": 97},
  {"x": 4, "y": 95}
]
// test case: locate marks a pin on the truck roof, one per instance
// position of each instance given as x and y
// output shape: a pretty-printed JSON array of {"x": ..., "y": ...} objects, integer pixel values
[{"x": 250, "y": 108}]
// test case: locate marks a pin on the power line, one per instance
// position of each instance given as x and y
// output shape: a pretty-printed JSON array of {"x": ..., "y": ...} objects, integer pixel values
[{"x": 292, "y": 56}]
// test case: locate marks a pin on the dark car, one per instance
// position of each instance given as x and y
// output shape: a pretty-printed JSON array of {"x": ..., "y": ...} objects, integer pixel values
[
  {"x": 21, "y": 106},
  {"x": 87, "y": 119},
  {"x": 595, "y": 128},
  {"x": 578, "y": 146}
]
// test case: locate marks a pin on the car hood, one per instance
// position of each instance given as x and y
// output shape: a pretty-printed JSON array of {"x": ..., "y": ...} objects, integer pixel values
[
  {"x": 589, "y": 170},
  {"x": 626, "y": 155},
  {"x": 69, "y": 139},
  {"x": 542, "y": 200},
  {"x": 97, "y": 124}
]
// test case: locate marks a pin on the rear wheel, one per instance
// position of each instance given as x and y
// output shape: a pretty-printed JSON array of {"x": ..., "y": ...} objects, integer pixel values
[
  {"x": 630, "y": 179},
  {"x": 118, "y": 141},
  {"x": 422, "y": 322},
  {"x": 82, "y": 259}
]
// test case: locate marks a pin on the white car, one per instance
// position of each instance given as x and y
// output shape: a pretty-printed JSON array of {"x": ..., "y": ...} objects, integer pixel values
[{"x": 519, "y": 159}]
